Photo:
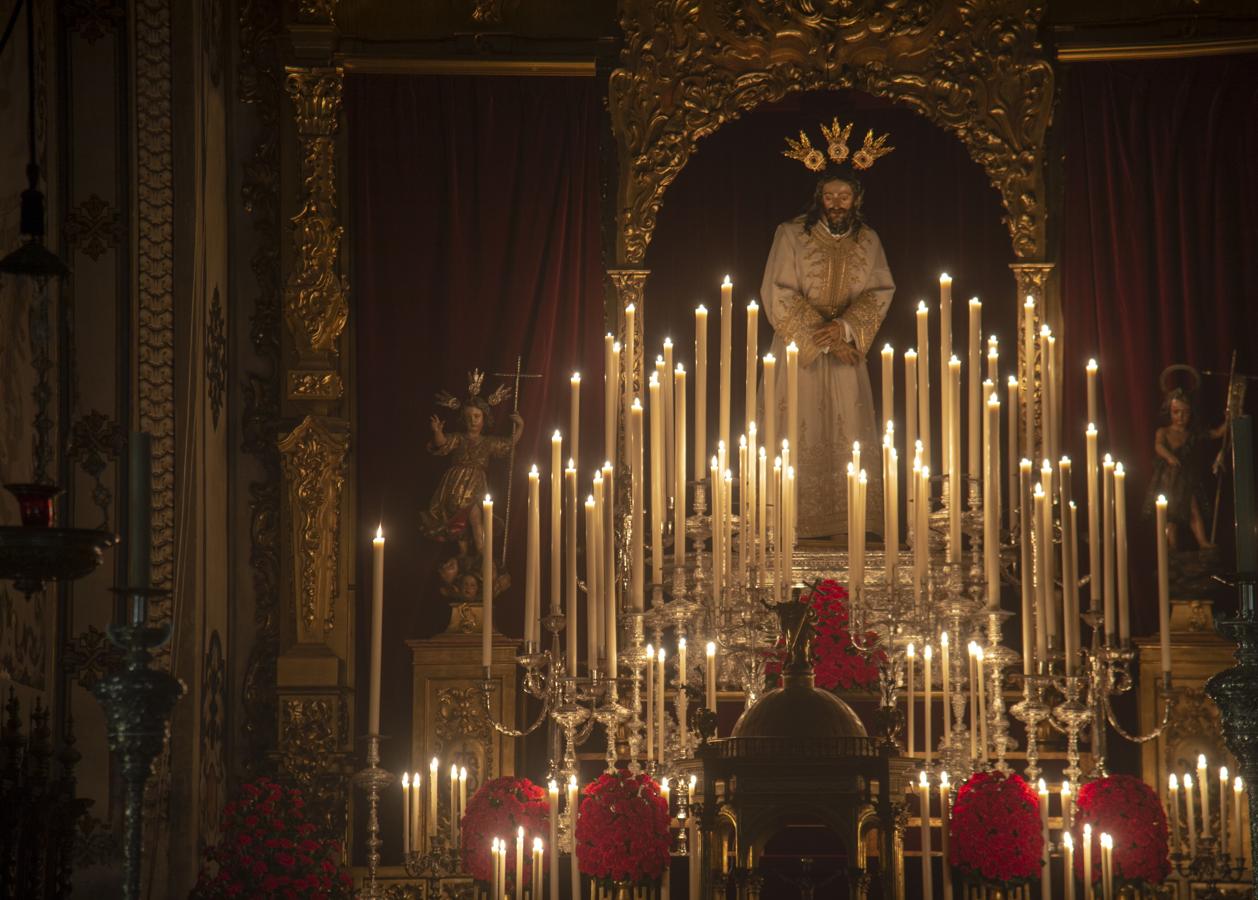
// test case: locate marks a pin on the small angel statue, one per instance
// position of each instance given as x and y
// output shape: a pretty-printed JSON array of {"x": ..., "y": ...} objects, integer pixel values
[{"x": 454, "y": 508}]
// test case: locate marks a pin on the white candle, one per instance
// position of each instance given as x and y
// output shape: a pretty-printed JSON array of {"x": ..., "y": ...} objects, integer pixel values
[
  {"x": 727, "y": 323},
  {"x": 538, "y": 856},
  {"x": 1172, "y": 801},
  {"x": 553, "y": 823},
  {"x": 650, "y": 702},
  {"x": 753, "y": 339},
  {"x": 596, "y": 601},
  {"x": 910, "y": 707},
  {"x": 955, "y": 489},
  {"x": 406, "y": 812},
  {"x": 945, "y": 831},
  {"x": 1046, "y": 881},
  {"x": 519, "y": 863},
  {"x": 1087, "y": 862},
  {"x": 495, "y": 889},
  {"x": 660, "y": 690},
  {"x": 377, "y": 626},
  {"x": 1011, "y": 448},
  {"x": 416, "y": 813},
  {"x": 1224, "y": 784},
  {"x": 679, "y": 468},
  {"x": 701, "y": 396},
  {"x": 710, "y": 675},
  {"x": 556, "y": 520},
  {"x": 975, "y": 361},
  {"x": 1164, "y": 587},
  {"x": 1094, "y": 521},
  {"x": 1120, "y": 538},
  {"x": 928, "y": 888},
  {"x": 982, "y": 703},
  {"x": 923, "y": 381},
  {"x": 572, "y": 813},
  {"x": 1093, "y": 411},
  {"x": 888, "y": 385},
  {"x": 946, "y": 669},
  {"x": 1107, "y": 865},
  {"x": 682, "y": 699},
  {"x": 1067, "y": 806},
  {"x": 570, "y": 565},
  {"x": 1203, "y": 783},
  {"x": 593, "y": 552},
  {"x": 611, "y": 379},
  {"x": 637, "y": 573},
  {"x": 607, "y": 532},
  {"x": 718, "y": 532},
  {"x": 657, "y": 486},
  {"x": 532, "y": 564},
  {"x": 991, "y": 503},
  {"x": 1068, "y": 844},
  {"x": 454, "y": 806},
  {"x": 1048, "y": 347},
  {"x": 910, "y": 429},
  {"x": 574, "y": 418},
  {"x": 432, "y": 797},
  {"x": 487, "y": 584},
  {"x": 1028, "y": 376},
  {"x": 993, "y": 360},
  {"x": 927, "y": 655},
  {"x": 462, "y": 794},
  {"x": 792, "y": 395},
  {"x": 1028, "y": 600},
  {"x": 1238, "y": 805},
  {"x": 670, "y": 421},
  {"x": 770, "y": 413},
  {"x": 1072, "y": 592},
  {"x": 1107, "y": 537},
  {"x": 762, "y": 501},
  {"x": 629, "y": 369},
  {"x": 1192, "y": 815},
  {"x": 1043, "y": 534},
  {"x": 945, "y": 324}
]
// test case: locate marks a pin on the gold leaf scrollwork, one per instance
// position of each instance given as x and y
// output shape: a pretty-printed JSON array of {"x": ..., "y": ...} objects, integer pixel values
[
  {"x": 690, "y": 66},
  {"x": 313, "y": 462},
  {"x": 460, "y": 714},
  {"x": 315, "y": 296}
]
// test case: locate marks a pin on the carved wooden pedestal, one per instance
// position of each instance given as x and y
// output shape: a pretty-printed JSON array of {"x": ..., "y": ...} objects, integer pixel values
[
  {"x": 448, "y": 720},
  {"x": 1197, "y": 652}
]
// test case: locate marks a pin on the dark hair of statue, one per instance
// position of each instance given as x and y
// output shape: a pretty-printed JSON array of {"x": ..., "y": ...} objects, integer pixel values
[{"x": 816, "y": 209}]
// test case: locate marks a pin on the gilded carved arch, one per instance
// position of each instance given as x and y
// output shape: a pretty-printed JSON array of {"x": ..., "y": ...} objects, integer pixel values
[{"x": 974, "y": 67}]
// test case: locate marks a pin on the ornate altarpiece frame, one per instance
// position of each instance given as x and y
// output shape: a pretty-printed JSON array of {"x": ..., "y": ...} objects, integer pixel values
[{"x": 973, "y": 67}]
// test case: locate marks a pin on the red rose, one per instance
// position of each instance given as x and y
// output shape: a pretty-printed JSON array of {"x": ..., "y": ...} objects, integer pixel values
[
  {"x": 1131, "y": 812},
  {"x": 995, "y": 829},
  {"x": 623, "y": 829}
]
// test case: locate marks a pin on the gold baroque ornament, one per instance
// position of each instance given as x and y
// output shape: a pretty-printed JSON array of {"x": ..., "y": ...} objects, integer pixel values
[
  {"x": 315, "y": 302},
  {"x": 313, "y": 460},
  {"x": 971, "y": 66}
]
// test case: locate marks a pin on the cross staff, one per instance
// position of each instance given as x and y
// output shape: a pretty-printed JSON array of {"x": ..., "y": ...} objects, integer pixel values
[{"x": 515, "y": 408}]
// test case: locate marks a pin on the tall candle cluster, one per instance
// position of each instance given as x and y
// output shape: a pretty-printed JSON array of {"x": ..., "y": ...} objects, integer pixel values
[
  {"x": 499, "y": 851},
  {"x": 420, "y": 823},
  {"x": 1196, "y": 819}
]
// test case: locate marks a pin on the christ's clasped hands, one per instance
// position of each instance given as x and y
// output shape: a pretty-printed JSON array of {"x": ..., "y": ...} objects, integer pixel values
[{"x": 831, "y": 338}]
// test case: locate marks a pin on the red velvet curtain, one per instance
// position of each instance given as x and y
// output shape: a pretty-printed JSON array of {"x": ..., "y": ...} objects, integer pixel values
[
  {"x": 1158, "y": 254},
  {"x": 475, "y": 237}
]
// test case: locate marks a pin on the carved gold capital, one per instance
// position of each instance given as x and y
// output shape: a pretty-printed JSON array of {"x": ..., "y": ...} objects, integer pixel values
[
  {"x": 689, "y": 66},
  {"x": 315, "y": 385},
  {"x": 315, "y": 294},
  {"x": 630, "y": 285},
  {"x": 312, "y": 457},
  {"x": 316, "y": 12}
]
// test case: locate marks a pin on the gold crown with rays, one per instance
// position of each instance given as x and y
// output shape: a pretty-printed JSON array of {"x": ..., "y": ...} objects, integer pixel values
[{"x": 837, "y": 150}]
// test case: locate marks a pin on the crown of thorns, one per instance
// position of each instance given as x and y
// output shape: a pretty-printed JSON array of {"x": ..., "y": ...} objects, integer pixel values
[{"x": 837, "y": 149}]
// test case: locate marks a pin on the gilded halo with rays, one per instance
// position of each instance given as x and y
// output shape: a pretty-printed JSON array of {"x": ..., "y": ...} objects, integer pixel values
[{"x": 837, "y": 149}]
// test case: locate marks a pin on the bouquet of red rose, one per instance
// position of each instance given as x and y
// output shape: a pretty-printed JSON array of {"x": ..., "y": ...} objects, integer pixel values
[
  {"x": 1130, "y": 811},
  {"x": 995, "y": 829},
  {"x": 837, "y": 662},
  {"x": 623, "y": 829},
  {"x": 497, "y": 809},
  {"x": 267, "y": 848}
]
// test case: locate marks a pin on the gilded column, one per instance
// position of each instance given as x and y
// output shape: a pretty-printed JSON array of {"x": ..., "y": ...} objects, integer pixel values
[{"x": 314, "y": 728}]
